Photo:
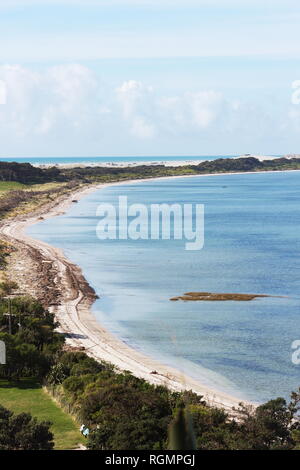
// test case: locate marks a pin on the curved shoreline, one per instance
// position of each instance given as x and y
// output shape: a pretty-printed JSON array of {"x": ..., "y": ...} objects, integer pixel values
[{"x": 76, "y": 298}]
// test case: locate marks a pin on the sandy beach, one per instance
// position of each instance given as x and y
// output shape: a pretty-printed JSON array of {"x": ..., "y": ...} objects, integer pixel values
[
  {"x": 147, "y": 162},
  {"x": 75, "y": 297}
]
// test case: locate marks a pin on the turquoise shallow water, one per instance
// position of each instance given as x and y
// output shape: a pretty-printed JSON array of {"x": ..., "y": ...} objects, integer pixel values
[
  {"x": 252, "y": 245},
  {"x": 95, "y": 160}
]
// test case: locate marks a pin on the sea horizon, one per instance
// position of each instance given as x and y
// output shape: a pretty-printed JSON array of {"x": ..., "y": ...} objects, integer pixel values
[{"x": 113, "y": 159}]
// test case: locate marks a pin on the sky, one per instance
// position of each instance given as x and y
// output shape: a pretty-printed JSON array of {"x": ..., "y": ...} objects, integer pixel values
[{"x": 149, "y": 77}]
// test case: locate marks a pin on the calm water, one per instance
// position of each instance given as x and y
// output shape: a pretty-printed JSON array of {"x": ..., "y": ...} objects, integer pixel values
[{"x": 252, "y": 245}]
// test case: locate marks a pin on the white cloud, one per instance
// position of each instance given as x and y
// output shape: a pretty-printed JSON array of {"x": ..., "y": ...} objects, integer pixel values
[
  {"x": 141, "y": 128},
  {"x": 59, "y": 97},
  {"x": 72, "y": 83},
  {"x": 205, "y": 106},
  {"x": 136, "y": 102},
  {"x": 3, "y": 92},
  {"x": 22, "y": 89},
  {"x": 68, "y": 102},
  {"x": 68, "y": 110},
  {"x": 73, "y": 89},
  {"x": 131, "y": 95},
  {"x": 196, "y": 111}
]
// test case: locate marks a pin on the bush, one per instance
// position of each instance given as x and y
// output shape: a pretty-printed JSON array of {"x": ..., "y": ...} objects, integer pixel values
[{"x": 22, "y": 432}]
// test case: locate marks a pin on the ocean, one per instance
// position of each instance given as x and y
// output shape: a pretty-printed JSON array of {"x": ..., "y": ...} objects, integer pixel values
[{"x": 252, "y": 245}]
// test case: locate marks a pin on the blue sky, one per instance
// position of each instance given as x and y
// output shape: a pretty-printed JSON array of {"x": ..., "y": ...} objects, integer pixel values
[{"x": 148, "y": 77}]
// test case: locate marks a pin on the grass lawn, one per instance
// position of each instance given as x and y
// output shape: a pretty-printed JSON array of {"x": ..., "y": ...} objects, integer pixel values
[
  {"x": 9, "y": 185},
  {"x": 28, "y": 396},
  {"x": 12, "y": 185},
  {"x": 42, "y": 194}
]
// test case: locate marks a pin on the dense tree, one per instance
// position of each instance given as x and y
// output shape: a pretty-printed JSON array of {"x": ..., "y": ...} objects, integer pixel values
[
  {"x": 126, "y": 418},
  {"x": 23, "y": 359},
  {"x": 33, "y": 341},
  {"x": 181, "y": 431},
  {"x": 25, "y": 173},
  {"x": 125, "y": 412},
  {"x": 121, "y": 410},
  {"x": 271, "y": 426},
  {"x": 22, "y": 432}
]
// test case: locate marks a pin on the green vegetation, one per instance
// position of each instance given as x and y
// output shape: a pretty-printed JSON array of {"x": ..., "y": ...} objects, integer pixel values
[
  {"x": 9, "y": 186},
  {"x": 28, "y": 396},
  {"x": 31, "y": 197},
  {"x": 25, "y": 187},
  {"x": 22, "y": 432},
  {"x": 124, "y": 412},
  {"x": 30, "y": 338},
  {"x": 181, "y": 431},
  {"x": 27, "y": 174},
  {"x": 31, "y": 348},
  {"x": 121, "y": 411},
  {"x": 5, "y": 251}
]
